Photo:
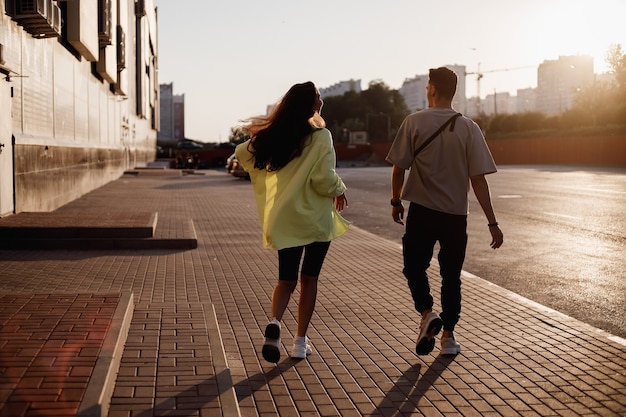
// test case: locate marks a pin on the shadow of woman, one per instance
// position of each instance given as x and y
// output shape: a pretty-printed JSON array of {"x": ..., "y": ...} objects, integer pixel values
[
  {"x": 247, "y": 387},
  {"x": 209, "y": 391},
  {"x": 409, "y": 389}
]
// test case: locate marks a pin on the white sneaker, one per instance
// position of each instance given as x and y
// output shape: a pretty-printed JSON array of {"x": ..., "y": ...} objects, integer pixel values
[
  {"x": 449, "y": 346},
  {"x": 271, "y": 346},
  {"x": 431, "y": 326},
  {"x": 301, "y": 348}
]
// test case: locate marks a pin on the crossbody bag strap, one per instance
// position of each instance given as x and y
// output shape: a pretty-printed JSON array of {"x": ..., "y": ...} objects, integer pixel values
[{"x": 434, "y": 135}]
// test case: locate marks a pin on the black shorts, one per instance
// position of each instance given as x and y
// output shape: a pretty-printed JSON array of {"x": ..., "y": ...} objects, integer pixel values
[{"x": 289, "y": 260}]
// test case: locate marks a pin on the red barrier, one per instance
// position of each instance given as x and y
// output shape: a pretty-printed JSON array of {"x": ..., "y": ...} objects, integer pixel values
[{"x": 608, "y": 150}]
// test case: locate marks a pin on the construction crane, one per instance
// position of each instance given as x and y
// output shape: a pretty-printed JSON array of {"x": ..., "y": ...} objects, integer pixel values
[{"x": 480, "y": 74}]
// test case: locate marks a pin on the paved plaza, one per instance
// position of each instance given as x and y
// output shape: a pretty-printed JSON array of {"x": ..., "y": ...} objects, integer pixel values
[{"x": 171, "y": 324}]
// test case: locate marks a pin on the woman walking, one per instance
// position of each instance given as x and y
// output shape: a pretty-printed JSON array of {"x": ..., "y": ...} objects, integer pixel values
[{"x": 291, "y": 161}]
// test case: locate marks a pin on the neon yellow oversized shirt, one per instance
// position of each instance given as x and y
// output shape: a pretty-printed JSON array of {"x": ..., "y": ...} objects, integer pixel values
[{"x": 295, "y": 203}]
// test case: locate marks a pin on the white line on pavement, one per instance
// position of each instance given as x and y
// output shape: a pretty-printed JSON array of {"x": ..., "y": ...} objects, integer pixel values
[{"x": 566, "y": 216}]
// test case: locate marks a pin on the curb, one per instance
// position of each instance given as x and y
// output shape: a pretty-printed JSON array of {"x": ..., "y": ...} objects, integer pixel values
[
  {"x": 97, "y": 398},
  {"x": 228, "y": 397}
]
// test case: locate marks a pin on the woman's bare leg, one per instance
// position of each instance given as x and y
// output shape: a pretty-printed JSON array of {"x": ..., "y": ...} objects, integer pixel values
[
  {"x": 308, "y": 296},
  {"x": 280, "y": 297}
]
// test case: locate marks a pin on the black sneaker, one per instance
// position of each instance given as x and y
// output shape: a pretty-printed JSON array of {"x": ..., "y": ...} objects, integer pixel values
[
  {"x": 431, "y": 326},
  {"x": 271, "y": 346}
]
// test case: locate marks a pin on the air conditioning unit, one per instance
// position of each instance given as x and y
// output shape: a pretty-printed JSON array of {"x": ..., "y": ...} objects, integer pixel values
[
  {"x": 140, "y": 8},
  {"x": 31, "y": 11},
  {"x": 104, "y": 22},
  {"x": 52, "y": 28},
  {"x": 40, "y": 18},
  {"x": 50, "y": 5},
  {"x": 55, "y": 23},
  {"x": 121, "y": 48}
]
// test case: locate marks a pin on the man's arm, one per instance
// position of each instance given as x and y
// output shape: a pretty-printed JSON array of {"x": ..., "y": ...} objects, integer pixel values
[
  {"x": 481, "y": 190},
  {"x": 397, "y": 182}
]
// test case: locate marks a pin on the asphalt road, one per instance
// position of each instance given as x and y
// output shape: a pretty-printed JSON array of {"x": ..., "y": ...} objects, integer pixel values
[{"x": 564, "y": 235}]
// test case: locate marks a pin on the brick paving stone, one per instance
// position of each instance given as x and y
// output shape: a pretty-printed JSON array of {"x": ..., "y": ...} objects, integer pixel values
[
  {"x": 363, "y": 330},
  {"x": 54, "y": 375}
]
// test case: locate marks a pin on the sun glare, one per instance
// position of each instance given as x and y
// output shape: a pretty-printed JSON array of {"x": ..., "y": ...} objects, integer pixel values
[{"x": 575, "y": 28}]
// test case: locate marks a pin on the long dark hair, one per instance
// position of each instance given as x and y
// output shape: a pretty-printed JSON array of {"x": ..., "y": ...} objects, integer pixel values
[{"x": 281, "y": 136}]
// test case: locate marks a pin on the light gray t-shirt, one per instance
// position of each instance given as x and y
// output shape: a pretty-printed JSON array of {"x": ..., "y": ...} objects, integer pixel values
[{"x": 439, "y": 175}]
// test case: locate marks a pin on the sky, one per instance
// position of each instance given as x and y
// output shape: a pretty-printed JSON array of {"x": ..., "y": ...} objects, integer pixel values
[{"x": 233, "y": 58}]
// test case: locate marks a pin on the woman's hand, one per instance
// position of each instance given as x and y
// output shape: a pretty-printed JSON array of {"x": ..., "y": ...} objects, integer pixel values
[
  {"x": 341, "y": 202},
  {"x": 497, "y": 238}
]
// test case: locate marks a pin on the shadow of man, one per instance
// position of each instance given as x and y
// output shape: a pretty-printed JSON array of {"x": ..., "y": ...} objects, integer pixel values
[{"x": 409, "y": 389}]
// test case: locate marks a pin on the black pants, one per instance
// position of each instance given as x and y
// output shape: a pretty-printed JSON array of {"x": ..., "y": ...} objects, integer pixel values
[{"x": 425, "y": 227}]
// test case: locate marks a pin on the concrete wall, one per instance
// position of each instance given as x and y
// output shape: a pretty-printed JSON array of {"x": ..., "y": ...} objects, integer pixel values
[
  {"x": 77, "y": 121},
  {"x": 49, "y": 176}
]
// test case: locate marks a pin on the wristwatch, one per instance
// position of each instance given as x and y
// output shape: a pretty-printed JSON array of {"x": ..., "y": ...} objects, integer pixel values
[{"x": 396, "y": 203}]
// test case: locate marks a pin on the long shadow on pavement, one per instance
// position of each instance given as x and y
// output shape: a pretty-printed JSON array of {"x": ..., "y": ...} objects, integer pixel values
[
  {"x": 409, "y": 389},
  {"x": 249, "y": 386},
  {"x": 197, "y": 396}
]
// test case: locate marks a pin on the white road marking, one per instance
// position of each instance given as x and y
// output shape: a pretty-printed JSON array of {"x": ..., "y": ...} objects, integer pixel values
[
  {"x": 597, "y": 190},
  {"x": 566, "y": 216}
]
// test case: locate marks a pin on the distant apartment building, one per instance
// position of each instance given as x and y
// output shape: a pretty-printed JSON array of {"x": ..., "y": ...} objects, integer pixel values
[
  {"x": 473, "y": 107},
  {"x": 337, "y": 89},
  {"x": 413, "y": 90},
  {"x": 499, "y": 103},
  {"x": 526, "y": 100},
  {"x": 340, "y": 88},
  {"x": 559, "y": 82},
  {"x": 79, "y": 97},
  {"x": 460, "y": 99},
  {"x": 172, "y": 118}
]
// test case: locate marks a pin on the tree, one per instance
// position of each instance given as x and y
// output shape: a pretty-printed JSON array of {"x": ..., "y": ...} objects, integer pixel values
[
  {"x": 602, "y": 103},
  {"x": 616, "y": 58},
  {"x": 379, "y": 110},
  {"x": 237, "y": 135}
]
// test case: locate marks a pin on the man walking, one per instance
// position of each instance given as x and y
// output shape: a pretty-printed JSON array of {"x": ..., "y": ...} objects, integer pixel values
[{"x": 444, "y": 152}]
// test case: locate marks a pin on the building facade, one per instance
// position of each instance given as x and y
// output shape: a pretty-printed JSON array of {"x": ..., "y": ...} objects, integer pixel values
[
  {"x": 78, "y": 97},
  {"x": 172, "y": 110},
  {"x": 473, "y": 107},
  {"x": 340, "y": 88},
  {"x": 526, "y": 100},
  {"x": 560, "y": 81},
  {"x": 414, "y": 92},
  {"x": 499, "y": 103},
  {"x": 460, "y": 98}
]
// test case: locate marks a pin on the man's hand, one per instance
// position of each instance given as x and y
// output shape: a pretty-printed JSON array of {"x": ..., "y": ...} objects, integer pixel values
[
  {"x": 481, "y": 190},
  {"x": 397, "y": 212},
  {"x": 497, "y": 238},
  {"x": 397, "y": 182}
]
